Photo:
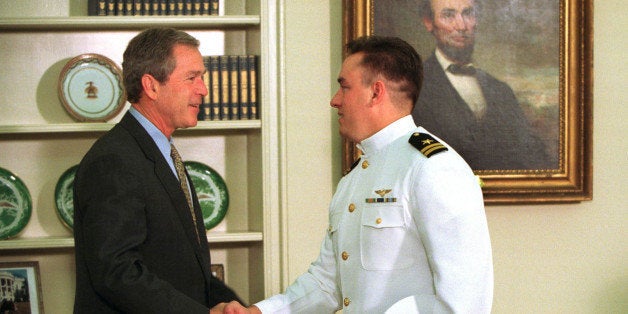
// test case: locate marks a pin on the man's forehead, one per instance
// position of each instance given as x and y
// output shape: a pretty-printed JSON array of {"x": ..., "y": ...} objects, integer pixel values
[
  {"x": 351, "y": 65},
  {"x": 451, "y": 4}
]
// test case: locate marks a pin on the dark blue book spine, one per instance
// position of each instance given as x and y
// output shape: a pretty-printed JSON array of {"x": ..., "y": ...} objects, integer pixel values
[
  {"x": 224, "y": 87},
  {"x": 234, "y": 86},
  {"x": 243, "y": 72},
  {"x": 214, "y": 79},
  {"x": 214, "y": 7},
  {"x": 253, "y": 105},
  {"x": 197, "y": 9},
  {"x": 205, "y": 106}
]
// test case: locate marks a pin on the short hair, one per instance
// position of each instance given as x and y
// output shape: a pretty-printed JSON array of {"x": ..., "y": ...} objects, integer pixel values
[
  {"x": 425, "y": 8},
  {"x": 393, "y": 58},
  {"x": 150, "y": 52}
]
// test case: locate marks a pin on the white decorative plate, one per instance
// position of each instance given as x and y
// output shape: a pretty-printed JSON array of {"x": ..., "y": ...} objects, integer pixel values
[{"x": 90, "y": 88}]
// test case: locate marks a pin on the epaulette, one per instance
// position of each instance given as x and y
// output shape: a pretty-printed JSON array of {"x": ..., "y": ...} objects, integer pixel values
[{"x": 426, "y": 144}]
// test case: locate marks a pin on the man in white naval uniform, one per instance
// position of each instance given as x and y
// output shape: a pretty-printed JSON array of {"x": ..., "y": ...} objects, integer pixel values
[{"x": 408, "y": 220}]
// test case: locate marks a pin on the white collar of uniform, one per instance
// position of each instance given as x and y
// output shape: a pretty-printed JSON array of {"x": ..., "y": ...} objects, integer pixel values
[
  {"x": 444, "y": 62},
  {"x": 387, "y": 135}
]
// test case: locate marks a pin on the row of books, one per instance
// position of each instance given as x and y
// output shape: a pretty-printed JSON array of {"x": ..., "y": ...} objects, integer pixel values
[
  {"x": 231, "y": 82},
  {"x": 152, "y": 7}
]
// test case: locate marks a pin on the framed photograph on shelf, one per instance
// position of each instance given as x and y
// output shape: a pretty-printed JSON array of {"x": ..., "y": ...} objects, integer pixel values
[
  {"x": 20, "y": 288},
  {"x": 529, "y": 137},
  {"x": 218, "y": 270}
]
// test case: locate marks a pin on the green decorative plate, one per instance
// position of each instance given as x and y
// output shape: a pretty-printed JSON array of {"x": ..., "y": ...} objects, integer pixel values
[
  {"x": 15, "y": 204},
  {"x": 90, "y": 88},
  {"x": 211, "y": 191},
  {"x": 64, "y": 197}
]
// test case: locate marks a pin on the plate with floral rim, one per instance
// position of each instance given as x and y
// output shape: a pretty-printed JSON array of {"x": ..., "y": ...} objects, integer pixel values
[
  {"x": 16, "y": 205},
  {"x": 211, "y": 191}
]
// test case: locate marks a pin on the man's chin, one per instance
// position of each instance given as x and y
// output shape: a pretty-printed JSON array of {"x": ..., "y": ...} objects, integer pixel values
[{"x": 458, "y": 54}]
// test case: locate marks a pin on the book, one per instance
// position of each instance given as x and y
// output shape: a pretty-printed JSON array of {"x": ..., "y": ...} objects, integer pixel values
[
  {"x": 172, "y": 7},
  {"x": 243, "y": 97},
  {"x": 137, "y": 7},
  {"x": 111, "y": 7},
  {"x": 252, "y": 104},
  {"x": 224, "y": 87},
  {"x": 147, "y": 8},
  {"x": 119, "y": 7},
  {"x": 234, "y": 88},
  {"x": 214, "y": 79},
  {"x": 187, "y": 7},
  {"x": 214, "y": 7},
  {"x": 97, "y": 7},
  {"x": 197, "y": 8},
  {"x": 205, "y": 106}
]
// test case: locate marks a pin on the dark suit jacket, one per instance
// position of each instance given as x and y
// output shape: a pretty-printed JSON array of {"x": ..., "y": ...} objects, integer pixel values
[
  {"x": 136, "y": 250},
  {"x": 502, "y": 139}
]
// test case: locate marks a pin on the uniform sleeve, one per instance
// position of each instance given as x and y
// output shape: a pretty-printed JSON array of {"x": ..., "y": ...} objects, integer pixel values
[
  {"x": 315, "y": 291},
  {"x": 448, "y": 210}
]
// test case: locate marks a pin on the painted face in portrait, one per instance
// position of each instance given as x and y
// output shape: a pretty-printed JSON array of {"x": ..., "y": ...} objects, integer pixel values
[
  {"x": 180, "y": 96},
  {"x": 352, "y": 100},
  {"x": 453, "y": 25}
]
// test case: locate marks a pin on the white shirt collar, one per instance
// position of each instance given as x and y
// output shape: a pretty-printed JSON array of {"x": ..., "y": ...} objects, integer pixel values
[{"x": 387, "y": 135}]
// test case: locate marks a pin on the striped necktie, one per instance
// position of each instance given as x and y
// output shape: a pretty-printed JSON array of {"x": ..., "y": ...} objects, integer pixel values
[{"x": 178, "y": 165}]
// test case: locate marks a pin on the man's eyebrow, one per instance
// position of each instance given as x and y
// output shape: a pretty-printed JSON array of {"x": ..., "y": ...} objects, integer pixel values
[{"x": 195, "y": 72}]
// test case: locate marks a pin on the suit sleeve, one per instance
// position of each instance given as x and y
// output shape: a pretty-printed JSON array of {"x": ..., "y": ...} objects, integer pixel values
[
  {"x": 109, "y": 198},
  {"x": 449, "y": 211},
  {"x": 220, "y": 292}
]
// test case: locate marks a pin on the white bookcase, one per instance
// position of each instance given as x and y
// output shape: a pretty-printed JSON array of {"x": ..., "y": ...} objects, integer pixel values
[{"x": 39, "y": 140}]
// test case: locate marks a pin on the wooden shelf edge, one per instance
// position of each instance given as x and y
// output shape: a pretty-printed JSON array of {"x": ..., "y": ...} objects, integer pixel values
[
  {"x": 225, "y": 237},
  {"x": 68, "y": 242},
  {"x": 126, "y": 22},
  {"x": 103, "y": 126},
  {"x": 37, "y": 243}
]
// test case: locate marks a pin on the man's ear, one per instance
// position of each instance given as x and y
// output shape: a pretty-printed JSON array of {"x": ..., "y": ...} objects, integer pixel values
[
  {"x": 428, "y": 23},
  {"x": 378, "y": 89},
  {"x": 150, "y": 85}
]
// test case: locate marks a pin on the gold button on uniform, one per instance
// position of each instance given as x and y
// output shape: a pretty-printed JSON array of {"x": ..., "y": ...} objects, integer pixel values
[
  {"x": 346, "y": 301},
  {"x": 378, "y": 221},
  {"x": 345, "y": 255},
  {"x": 351, "y": 207},
  {"x": 365, "y": 164}
]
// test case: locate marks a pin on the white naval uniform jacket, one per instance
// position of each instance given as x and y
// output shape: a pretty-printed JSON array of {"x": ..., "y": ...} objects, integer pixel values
[{"x": 400, "y": 224}]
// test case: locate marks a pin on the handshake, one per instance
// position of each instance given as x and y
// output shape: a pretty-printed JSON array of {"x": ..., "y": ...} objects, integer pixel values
[{"x": 234, "y": 307}]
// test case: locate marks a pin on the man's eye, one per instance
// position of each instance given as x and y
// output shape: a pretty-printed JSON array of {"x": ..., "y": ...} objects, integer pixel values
[
  {"x": 448, "y": 15},
  {"x": 468, "y": 13}
]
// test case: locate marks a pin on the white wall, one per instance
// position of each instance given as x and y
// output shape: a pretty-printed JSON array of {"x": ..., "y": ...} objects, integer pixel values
[{"x": 566, "y": 258}]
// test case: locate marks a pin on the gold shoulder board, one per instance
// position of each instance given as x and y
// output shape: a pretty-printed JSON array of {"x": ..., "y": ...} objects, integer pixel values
[{"x": 426, "y": 144}]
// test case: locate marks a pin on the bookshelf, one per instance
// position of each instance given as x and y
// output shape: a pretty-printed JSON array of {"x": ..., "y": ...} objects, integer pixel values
[{"x": 39, "y": 140}]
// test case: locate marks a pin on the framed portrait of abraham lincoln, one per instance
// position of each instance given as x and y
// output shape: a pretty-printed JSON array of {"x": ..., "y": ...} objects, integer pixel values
[{"x": 506, "y": 83}]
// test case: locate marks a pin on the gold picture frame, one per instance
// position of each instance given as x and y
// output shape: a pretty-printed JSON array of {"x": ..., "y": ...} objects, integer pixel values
[{"x": 571, "y": 179}]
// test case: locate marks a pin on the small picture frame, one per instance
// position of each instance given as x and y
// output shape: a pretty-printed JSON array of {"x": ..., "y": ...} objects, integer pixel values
[
  {"x": 218, "y": 271},
  {"x": 20, "y": 288}
]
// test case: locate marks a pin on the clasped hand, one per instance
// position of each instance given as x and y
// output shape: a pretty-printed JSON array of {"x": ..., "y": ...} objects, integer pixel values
[{"x": 234, "y": 307}]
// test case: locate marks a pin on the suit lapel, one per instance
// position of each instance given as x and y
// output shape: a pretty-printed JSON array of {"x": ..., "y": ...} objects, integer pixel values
[
  {"x": 173, "y": 188},
  {"x": 442, "y": 85}
]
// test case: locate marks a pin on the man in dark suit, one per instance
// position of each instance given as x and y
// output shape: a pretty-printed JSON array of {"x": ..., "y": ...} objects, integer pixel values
[
  {"x": 478, "y": 115},
  {"x": 138, "y": 229}
]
